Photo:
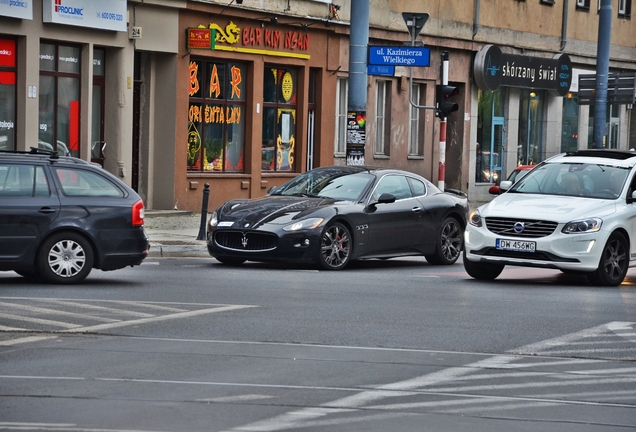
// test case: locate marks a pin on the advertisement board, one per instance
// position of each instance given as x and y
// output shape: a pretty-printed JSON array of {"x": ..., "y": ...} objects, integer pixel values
[
  {"x": 102, "y": 14},
  {"x": 17, "y": 9}
]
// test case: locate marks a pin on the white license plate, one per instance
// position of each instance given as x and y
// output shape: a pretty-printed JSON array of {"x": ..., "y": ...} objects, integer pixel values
[{"x": 516, "y": 246}]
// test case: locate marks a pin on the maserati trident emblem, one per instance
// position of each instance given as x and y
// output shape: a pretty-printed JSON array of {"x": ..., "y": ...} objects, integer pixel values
[
  {"x": 519, "y": 227},
  {"x": 244, "y": 241}
]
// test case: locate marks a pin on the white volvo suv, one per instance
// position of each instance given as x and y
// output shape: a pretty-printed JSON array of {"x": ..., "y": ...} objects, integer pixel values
[{"x": 575, "y": 212}]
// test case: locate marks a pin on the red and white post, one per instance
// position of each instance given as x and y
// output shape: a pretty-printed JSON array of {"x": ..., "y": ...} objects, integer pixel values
[{"x": 442, "y": 128}]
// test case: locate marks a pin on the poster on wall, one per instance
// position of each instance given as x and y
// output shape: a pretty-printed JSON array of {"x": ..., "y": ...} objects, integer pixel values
[{"x": 356, "y": 137}]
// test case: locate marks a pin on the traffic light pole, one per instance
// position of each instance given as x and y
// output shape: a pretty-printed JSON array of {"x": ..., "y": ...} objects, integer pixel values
[{"x": 442, "y": 128}]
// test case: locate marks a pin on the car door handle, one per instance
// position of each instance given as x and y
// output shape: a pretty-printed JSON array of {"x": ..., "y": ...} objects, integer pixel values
[
  {"x": 416, "y": 209},
  {"x": 47, "y": 210}
]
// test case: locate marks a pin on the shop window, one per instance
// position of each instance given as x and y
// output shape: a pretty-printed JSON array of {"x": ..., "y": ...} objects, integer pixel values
[
  {"x": 489, "y": 148},
  {"x": 59, "y": 98},
  {"x": 381, "y": 146},
  {"x": 570, "y": 123},
  {"x": 280, "y": 88},
  {"x": 417, "y": 121},
  {"x": 342, "y": 89},
  {"x": 624, "y": 8},
  {"x": 530, "y": 148},
  {"x": 7, "y": 93},
  {"x": 216, "y": 116},
  {"x": 583, "y": 5},
  {"x": 611, "y": 139}
]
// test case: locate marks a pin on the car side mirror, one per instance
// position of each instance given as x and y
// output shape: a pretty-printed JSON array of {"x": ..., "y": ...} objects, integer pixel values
[
  {"x": 505, "y": 185},
  {"x": 494, "y": 190},
  {"x": 631, "y": 199},
  {"x": 386, "y": 198},
  {"x": 271, "y": 190}
]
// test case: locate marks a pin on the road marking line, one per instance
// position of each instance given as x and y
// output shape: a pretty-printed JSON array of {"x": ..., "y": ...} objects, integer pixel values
[
  {"x": 543, "y": 384},
  {"x": 101, "y": 308},
  {"x": 39, "y": 321},
  {"x": 55, "y": 312},
  {"x": 9, "y": 329},
  {"x": 187, "y": 314},
  {"x": 28, "y": 339}
]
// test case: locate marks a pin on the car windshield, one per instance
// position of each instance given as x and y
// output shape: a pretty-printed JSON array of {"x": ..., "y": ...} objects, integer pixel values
[
  {"x": 518, "y": 175},
  {"x": 328, "y": 184},
  {"x": 573, "y": 179}
]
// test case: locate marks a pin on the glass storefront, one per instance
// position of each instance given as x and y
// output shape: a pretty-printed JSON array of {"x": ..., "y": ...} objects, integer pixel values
[
  {"x": 280, "y": 87},
  {"x": 531, "y": 147},
  {"x": 490, "y": 136},
  {"x": 570, "y": 123},
  {"x": 7, "y": 94},
  {"x": 59, "y": 110},
  {"x": 216, "y": 116}
]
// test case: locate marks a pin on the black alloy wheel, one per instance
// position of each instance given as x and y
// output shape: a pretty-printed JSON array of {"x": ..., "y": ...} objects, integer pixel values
[
  {"x": 449, "y": 243},
  {"x": 65, "y": 258},
  {"x": 335, "y": 247},
  {"x": 613, "y": 264}
]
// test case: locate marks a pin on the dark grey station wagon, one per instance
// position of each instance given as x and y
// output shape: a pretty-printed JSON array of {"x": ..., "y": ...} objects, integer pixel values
[{"x": 60, "y": 217}]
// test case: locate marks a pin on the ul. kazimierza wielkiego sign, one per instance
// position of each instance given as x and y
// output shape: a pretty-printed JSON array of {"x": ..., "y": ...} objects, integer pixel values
[{"x": 493, "y": 69}]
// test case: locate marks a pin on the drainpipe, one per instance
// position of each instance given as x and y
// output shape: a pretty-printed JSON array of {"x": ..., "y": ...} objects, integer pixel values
[
  {"x": 602, "y": 71},
  {"x": 476, "y": 25},
  {"x": 564, "y": 25}
]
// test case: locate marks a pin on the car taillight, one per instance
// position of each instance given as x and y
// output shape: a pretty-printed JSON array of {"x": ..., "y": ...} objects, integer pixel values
[{"x": 138, "y": 213}]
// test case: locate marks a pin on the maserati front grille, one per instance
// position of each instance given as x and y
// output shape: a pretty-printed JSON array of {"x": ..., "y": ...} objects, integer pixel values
[{"x": 245, "y": 241}]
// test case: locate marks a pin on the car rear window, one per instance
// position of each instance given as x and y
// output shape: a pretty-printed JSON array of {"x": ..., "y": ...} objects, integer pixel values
[
  {"x": 80, "y": 183},
  {"x": 23, "y": 181}
]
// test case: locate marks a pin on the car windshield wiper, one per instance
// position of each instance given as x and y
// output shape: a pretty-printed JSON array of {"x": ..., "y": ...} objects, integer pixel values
[{"x": 304, "y": 195}]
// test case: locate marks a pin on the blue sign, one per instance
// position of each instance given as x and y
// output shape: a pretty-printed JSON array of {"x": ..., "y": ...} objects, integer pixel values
[
  {"x": 399, "y": 56},
  {"x": 381, "y": 70}
]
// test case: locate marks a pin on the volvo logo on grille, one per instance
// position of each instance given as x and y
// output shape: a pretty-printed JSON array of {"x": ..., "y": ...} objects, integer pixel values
[
  {"x": 244, "y": 241},
  {"x": 246, "y": 225},
  {"x": 519, "y": 227}
]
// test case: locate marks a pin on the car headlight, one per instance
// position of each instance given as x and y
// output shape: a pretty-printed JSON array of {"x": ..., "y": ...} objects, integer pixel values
[
  {"x": 475, "y": 219},
  {"x": 213, "y": 221},
  {"x": 310, "y": 223},
  {"x": 582, "y": 226}
]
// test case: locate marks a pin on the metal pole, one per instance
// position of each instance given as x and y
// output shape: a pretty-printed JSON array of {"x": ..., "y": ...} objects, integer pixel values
[
  {"x": 442, "y": 128},
  {"x": 204, "y": 212},
  {"x": 602, "y": 72}
]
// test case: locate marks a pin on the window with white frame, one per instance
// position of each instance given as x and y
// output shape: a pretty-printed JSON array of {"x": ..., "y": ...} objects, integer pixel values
[
  {"x": 382, "y": 118},
  {"x": 624, "y": 8},
  {"x": 416, "y": 121},
  {"x": 340, "y": 138},
  {"x": 583, "y": 5}
]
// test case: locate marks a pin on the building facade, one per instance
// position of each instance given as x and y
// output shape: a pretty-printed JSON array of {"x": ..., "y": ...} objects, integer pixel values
[{"x": 172, "y": 95}]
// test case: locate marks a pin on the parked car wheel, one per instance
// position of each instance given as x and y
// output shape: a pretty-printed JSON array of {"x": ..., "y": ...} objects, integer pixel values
[
  {"x": 230, "y": 261},
  {"x": 335, "y": 247},
  {"x": 65, "y": 258},
  {"x": 449, "y": 243},
  {"x": 614, "y": 262},
  {"x": 483, "y": 271}
]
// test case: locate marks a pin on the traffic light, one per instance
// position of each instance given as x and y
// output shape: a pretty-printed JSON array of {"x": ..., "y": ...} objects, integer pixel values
[{"x": 443, "y": 96}]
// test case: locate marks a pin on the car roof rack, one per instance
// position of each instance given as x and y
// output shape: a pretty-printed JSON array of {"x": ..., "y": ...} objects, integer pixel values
[
  {"x": 52, "y": 153},
  {"x": 602, "y": 153}
]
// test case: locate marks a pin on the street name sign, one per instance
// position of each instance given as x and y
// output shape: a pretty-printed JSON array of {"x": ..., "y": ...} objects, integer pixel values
[{"x": 399, "y": 56}]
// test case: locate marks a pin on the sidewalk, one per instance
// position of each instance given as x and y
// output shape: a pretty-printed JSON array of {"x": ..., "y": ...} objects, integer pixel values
[{"x": 173, "y": 233}]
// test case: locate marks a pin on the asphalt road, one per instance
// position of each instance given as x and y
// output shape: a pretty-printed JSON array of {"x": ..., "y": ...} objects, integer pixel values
[{"x": 186, "y": 344}]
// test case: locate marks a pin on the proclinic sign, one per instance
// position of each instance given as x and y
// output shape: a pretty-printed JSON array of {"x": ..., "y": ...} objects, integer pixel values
[
  {"x": 102, "y": 14},
  {"x": 22, "y": 9}
]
